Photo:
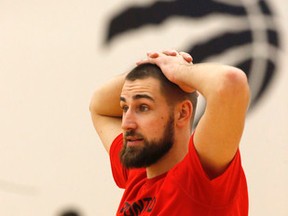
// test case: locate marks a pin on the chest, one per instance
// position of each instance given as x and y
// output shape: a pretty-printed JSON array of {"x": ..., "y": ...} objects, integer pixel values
[{"x": 151, "y": 197}]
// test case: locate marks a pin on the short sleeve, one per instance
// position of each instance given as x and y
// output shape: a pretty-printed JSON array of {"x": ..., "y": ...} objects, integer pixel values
[
  {"x": 221, "y": 191},
  {"x": 118, "y": 171}
]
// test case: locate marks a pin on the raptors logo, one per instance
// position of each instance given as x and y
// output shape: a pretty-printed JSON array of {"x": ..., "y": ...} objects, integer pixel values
[{"x": 235, "y": 32}]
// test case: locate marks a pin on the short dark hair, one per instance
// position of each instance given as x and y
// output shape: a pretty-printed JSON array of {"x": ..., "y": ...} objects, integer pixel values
[{"x": 172, "y": 92}]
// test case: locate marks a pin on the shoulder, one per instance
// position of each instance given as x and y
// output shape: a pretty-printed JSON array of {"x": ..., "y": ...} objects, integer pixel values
[
  {"x": 120, "y": 174},
  {"x": 190, "y": 177}
]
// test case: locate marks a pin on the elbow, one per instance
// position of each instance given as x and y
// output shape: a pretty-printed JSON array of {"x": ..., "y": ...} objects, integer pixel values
[
  {"x": 93, "y": 103},
  {"x": 91, "y": 108},
  {"x": 236, "y": 78},
  {"x": 235, "y": 85}
]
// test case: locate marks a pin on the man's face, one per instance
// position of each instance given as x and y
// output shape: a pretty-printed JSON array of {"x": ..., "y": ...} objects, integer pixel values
[{"x": 147, "y": 123}]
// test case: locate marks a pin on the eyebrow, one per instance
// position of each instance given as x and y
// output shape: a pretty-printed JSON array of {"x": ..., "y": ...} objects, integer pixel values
[{"x": 137, "y": 97}]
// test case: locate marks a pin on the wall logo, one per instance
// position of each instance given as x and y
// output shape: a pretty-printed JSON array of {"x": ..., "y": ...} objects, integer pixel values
[{"x": 242, "y": 33}]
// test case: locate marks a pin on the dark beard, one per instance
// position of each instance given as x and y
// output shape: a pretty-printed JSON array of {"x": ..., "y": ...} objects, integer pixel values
[{"x": 151, "y": 151}]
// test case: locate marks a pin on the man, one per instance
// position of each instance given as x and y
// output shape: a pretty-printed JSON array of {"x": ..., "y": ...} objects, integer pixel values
[{"x": 162, "y": 167}]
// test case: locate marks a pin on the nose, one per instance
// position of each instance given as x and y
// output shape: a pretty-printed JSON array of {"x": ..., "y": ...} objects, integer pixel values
[{"x": 128, "y": 121}]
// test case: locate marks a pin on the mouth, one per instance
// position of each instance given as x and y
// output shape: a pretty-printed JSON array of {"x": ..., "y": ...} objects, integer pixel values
[{"x": 133, "y": 141}]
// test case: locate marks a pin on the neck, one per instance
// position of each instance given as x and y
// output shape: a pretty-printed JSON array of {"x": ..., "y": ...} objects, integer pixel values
[{"x": 168, "y": 161}]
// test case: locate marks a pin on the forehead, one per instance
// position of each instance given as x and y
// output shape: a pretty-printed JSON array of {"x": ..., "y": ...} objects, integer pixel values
[{"x": 149, "y": 86}]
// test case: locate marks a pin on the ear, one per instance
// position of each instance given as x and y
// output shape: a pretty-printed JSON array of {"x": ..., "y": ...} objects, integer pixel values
[{"x": 184, "y": 113}]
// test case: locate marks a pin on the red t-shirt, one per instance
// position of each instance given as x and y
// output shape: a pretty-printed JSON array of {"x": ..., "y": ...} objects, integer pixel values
[{"x": 182, "y": 191}]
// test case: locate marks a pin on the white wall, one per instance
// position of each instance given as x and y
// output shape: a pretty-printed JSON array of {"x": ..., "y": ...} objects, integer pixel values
[{"x": 51, "y": 59}]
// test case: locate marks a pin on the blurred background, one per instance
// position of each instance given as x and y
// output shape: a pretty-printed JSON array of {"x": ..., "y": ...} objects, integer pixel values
[{"x": 53, "y": 54}]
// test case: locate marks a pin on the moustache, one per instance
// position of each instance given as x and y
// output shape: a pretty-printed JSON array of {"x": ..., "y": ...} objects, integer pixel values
[{"x": 133, "y": 133}]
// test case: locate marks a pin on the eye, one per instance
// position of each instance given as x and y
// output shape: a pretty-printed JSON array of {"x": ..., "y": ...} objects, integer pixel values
[
  {"x": 124, "y": 108},
  {"x": 143, "y": 108}
]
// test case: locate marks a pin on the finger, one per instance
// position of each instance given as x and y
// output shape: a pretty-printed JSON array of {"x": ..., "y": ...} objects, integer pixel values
[
  {"x": 142, "y": 61},
  {"x": 150, "y": 56},
  {"x": 170, "y": 52},
  {"x": 153, "y": 54},
  {"x": 145, "y": 61},
  {"x": 186, "y": 56}
]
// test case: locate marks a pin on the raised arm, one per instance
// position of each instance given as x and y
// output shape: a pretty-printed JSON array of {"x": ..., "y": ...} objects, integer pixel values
[
  {"x": 105, "y": 108},
  {"x": 226, "y": 91},
  {"x": 106, "y": 112}
]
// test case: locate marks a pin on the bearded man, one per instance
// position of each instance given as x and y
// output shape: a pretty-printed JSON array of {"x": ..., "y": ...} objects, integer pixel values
[{"x": 144, "y": 120}]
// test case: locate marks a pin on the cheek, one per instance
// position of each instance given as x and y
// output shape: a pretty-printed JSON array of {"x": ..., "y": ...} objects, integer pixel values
[{"x": 155, "y": 126}]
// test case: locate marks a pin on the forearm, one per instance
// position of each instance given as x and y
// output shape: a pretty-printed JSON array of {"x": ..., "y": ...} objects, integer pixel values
[
  {"x": 105, "y": 100},
  {"x": 226, "y": 91},
  {"x": 212, "y": 80}
]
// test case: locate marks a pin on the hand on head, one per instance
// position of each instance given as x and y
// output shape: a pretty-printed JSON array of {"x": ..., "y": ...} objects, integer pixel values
[
  {"x": 154, "y": 54},
  {"x": 171, "y": 63}
]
